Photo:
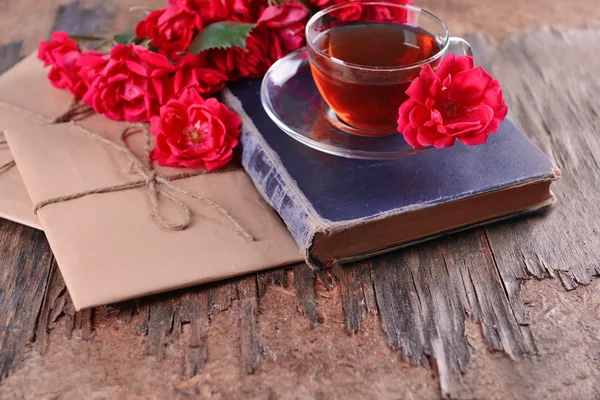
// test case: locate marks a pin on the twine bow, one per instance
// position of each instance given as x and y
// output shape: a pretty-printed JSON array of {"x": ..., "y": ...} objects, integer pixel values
[
  {"x": 155, "y": 182},
  {"x": 157, "y": 185}
]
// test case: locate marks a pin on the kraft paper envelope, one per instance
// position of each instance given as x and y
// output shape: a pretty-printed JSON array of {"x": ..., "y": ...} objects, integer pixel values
[
  {"x": 108, "y": 246},
  {"x": 15, "y": 204},
  {"x": 24, "y": 85}
]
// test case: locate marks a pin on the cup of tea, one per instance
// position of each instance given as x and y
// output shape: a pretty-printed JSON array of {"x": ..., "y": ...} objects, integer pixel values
[{"x": 364, "y": 55}]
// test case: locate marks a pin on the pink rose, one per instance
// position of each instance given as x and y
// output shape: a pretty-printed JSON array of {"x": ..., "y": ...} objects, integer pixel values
[
  {"x": 191, "y": 132},
  {"x": 245, "y": 10},
  {"x": 262, "y": 50},
  {"x": 355, "y": 11},
  {"x": 89, "y": 65},
  {"x": 457, "y": 101},
  {"x": 132, "y": 85},
  {"x": 170, "y": 30},
  {"x": 210, "y": 11},
  {"x": 351, "y": 12},
  {"x": 384, "y": 13},
  {"x": 62, "y": 53},
  {"x": 279, "y": 31},
  {"x": 190, "y": 74},
  {"x": 288, "y": 22}
]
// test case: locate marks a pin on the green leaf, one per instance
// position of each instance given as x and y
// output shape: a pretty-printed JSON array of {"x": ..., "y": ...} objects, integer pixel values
[
  {"x": 221, "y": 35},
  {"x": 125, "y": 37}
]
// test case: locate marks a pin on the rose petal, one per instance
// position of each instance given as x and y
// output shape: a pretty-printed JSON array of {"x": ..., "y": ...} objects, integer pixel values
[
  {"x": 423, "y": 139},
  {"x": 404, "y": 113},
  {"x": 473, "y": 140},
  {"x": 501, "y": 113},
  {"x": 444, "y": 141},
  {"x": 468, "y": 87},
  {"x": 451, "y": 65},
  {"x": 480, "y": 113},
  {"x": 410, "y": 135},
  {"x": 425, "y": 86}
]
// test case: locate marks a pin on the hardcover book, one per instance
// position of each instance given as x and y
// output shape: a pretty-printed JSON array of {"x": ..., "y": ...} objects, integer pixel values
[{"x": 340, "y": 210}]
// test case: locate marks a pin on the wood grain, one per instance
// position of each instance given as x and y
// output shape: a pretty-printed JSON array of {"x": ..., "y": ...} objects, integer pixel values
[
  {"x": 552, "y": 97},
  {"x": 10, "y": 54},
  {"x": 358, "y": 293},
  {"x": 78, "y": 20},
  {"x": 423, "y": 298},
  {"x": 194, "y": 312},
  {"x": 54, "y": 305},
  {"x": 25, "y": 260},
  {"x": 249, "y": 340},
  {"x": 274, "y": 278},
  {"x": 304, "y": 282}
]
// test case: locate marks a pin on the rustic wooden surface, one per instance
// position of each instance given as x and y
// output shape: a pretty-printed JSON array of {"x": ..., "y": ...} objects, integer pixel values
[{"x": 507, "y": 311}]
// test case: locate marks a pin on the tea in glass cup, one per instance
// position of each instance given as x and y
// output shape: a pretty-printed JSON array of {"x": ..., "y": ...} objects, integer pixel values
[{"x": 363, "y": 66}]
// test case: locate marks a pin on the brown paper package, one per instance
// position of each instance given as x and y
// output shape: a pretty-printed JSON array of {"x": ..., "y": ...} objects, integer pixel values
[
  {"x": 15, "y": 204},
  {"x": 107, "y": 245}
]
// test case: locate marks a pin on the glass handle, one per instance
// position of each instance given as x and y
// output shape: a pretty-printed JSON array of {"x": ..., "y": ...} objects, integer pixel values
[{"x": 460, "y": 46}]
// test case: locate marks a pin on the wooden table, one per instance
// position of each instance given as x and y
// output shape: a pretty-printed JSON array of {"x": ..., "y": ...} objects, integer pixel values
[{"x": 507, "y": 311}]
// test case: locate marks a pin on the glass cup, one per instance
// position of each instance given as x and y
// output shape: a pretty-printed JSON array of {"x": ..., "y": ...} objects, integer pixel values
[{"x": 364, "y": 55}]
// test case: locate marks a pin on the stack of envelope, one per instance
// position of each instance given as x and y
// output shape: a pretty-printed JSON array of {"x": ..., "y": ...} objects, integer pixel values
[{"x": 108, "y": 246}]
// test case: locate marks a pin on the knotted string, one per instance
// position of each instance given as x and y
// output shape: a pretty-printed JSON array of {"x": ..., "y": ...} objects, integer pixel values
[
  {"x": 150, "y": 179},
  {"x": 77, "y": 111}
]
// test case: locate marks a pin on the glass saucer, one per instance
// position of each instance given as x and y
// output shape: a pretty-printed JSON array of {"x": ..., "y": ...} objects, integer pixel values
[{"x": 292, "y": 100}]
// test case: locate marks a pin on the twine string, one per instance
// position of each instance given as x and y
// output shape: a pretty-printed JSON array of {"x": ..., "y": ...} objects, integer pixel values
[
  {"x": 151, "y": 180},
  {"x": 5, "y": 167},
  {"x": 77, "y": 111},
  {"x": 8, "y": 165},
  {"x": 154, "y": 182}
]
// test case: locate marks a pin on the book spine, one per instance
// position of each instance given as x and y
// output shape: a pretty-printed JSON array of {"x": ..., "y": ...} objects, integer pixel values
[{"x": 274, "y": 183}]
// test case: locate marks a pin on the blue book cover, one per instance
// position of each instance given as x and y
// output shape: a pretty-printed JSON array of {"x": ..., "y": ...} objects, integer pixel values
[{"x": 340, "y": 209}]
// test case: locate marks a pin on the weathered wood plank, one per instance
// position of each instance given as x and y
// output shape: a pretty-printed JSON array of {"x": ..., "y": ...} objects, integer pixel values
[
  {"x": 165, "y": 318},
  {"x": 124, "y": 310},
  {"x": 304, "y": 281},
  {"x": 276, "y": 277},
  {"x": 9, "y": 55},
  {"x": 422, "y": 305},
  {"x": 248, "y": 306},
  {"x": 358, "y": 296},
  {"x": 93, "y": 20},
  {"x": 220, "y": 296},
  {"x": 550, "y": 83},
  {"x": 194, "y": 311},
  {"x": 433, "y": 286},
  {"x": 324, "y": 276},
  {"x": 425, "y": 292},
  {"x": 25, "y": 260},
  {"x": 54, "y": 301},
  {"x": 161, "y": 318}
]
